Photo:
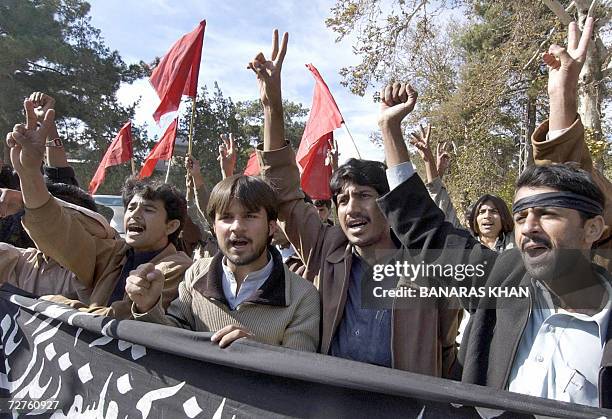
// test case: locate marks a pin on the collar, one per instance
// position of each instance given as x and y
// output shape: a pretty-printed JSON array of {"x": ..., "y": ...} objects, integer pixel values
[
  {"x": 272, "y": 292},
  {"x": 251, "y": 276},
  {"x": 601, "y": 318}
]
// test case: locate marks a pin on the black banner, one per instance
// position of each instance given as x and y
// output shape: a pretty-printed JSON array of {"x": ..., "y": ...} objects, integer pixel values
[{"x": 57, "y": 362}]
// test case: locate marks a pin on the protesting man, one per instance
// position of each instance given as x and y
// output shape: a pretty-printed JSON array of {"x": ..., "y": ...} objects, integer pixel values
[
  {"x": 153, "y": 219},
  {"x": 338, "y": 258},
  {"x": 555, "y": 343},
  {"x": 245, "y": 290}
]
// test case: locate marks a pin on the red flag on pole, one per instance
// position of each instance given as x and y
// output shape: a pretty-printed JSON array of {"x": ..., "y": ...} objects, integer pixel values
[
  {"x": 324, "y": 118},
  {"x": 252, "y": 166},
  {"x": 177, "y": 72},
  {"x": 119, "y": 151},
  {"x": 161, "y": 151}
]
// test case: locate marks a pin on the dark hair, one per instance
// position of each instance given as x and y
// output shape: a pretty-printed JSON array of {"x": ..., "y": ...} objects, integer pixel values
[
  {"x": 322, "y": 203},
  {"x": 73, "y": 195},
  {"x": 360, "y": 172},
  {"x": 174, "y": 201},
  {"x": 252, "y": 192},
  {"x": 567, "y": 177},
  {"x": 507, "y": 222}
]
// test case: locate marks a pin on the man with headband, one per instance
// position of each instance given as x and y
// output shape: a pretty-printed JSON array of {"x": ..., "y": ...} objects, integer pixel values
[{"x": 556, "y": 342}]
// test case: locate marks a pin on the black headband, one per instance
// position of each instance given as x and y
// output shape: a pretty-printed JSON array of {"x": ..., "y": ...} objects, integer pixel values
[{"x": 559, "y": 199}]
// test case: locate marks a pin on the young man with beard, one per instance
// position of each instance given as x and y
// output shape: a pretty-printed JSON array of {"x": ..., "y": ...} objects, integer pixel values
[
  {"x": 154, "y": 215},
  {"x": 338, "y": 258},
  {"x": 245, "y": 290},
  {"x": 557, "y": 343}
]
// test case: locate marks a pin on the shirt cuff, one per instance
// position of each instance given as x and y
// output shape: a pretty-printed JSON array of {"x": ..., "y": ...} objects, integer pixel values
[
  {"x": 553, "y": 135},
  {"x": 397, "y": 175}
]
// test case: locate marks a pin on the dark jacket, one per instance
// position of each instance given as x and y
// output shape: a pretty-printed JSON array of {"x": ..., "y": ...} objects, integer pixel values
[{"x": 492, "y": 339}]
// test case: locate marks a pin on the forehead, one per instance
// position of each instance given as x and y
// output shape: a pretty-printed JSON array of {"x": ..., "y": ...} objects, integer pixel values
[
  {"x": 353, "y": 188},
  {"x": 527, "y": 191},
  {"x": 487, "y": 205},
  {"x": 139, "y": 199},
  {"x": 237, "y": 207}
]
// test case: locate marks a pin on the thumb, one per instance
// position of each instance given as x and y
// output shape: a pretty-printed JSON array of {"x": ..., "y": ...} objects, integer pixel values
[
  {"x": 559, "y": 52},
  {"x": 155, "y": 276}
]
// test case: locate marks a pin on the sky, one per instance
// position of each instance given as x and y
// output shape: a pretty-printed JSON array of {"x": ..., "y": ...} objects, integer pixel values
[{"x": 235, "y": 32}]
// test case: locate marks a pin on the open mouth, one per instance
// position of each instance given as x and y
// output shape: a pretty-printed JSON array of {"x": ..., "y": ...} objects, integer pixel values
[
  {"x": 135, "y": 228},
  {"x": 356, "y": 224},
  {"x": 239, "y": 243},
  {"x": 535, "y": 250}
]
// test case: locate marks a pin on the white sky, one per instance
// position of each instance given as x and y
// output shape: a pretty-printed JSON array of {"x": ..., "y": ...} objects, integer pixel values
[{"x": 235, "y": 32}]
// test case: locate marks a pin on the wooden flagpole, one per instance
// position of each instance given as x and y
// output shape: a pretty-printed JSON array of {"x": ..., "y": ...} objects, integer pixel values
[
  {"x": 133, "y": 166},
  {"x": 351, "y": 137},
  {"x": 190, "y": 144}
]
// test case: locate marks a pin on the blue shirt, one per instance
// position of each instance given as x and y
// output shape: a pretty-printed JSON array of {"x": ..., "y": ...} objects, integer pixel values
[{"x": 363, "y": 334}]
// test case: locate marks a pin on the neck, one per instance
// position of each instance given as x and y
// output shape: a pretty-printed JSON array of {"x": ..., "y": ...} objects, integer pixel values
[
  {"x": 588, "y": 295},
  {"x": 151, "y": 248},
  {"x": 372, "y": 253},
  {"x": 488, "y": 241},
  {"x": 241, "y": 271}
]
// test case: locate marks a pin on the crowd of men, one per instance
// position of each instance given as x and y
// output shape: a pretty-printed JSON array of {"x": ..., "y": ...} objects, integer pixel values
[{"x": 274, "y": 268}]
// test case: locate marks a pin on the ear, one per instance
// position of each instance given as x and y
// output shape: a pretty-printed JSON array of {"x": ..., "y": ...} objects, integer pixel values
[
  {"x": 273, "y": 226},
  {"x": 594, "y": 228},
  {"x": 172, "y": 226}
]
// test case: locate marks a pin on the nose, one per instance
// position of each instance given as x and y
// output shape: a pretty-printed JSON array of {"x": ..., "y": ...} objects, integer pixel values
[
  {"x": 237, "y": 225},
  {"x": 531, "y": 224}
]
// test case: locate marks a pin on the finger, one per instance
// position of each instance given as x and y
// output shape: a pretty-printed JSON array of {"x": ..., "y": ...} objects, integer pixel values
[
  {"x": 18, "y": 138},
  {"x": 229, "y": 338},
  {"x": 31, "y": 119},
  {"x": 395, "y": 92},
  {"x": 388, "y": 95},
  {"x": 551, "y": 61},
  {"x": 283, "y": 50},
  {"x": 428, "y": 131},
  {"x": 222, "y": 332},
  {"x": 20, "y": 128},
  {"x": 145, "y": 268},
  {"x": 439, "y": 149},
  {"x": 587, "y": 33},
  {"x": 138, "y": 282},
  {"x": 274, "y": 45},
  {"x": 403, "y": 95},
  {"x": 573, "y": 35},
  {"x": 33, "y": 97},
  {"x": 231, "y": 142},
  {"x": 155, "y": 275},
  {"x": 423, "y": 136},
  {"x": 48, "y": 122},
  {"x": 10, "y": 141}
]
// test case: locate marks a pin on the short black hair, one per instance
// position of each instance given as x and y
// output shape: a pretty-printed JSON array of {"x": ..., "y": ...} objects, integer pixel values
[
  {"x": 322, "y": 203},
  {"x": 252, "y": 192},
  {"x": 174, "y": 201},
  {"x": 566, "y": 177},
  {"x": 360, "y": 172},
  {"x": 72, "y": 194}
]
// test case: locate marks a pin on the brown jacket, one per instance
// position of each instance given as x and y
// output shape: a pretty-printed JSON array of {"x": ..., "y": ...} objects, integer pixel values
[
  {"x": 422, "y": 339},
  {"x": 70, "y": 238},
  {"x": 571, "y": 147}
]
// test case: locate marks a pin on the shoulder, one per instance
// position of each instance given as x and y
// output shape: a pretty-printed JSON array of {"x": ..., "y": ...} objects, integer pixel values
[{"x": 298, "y": 287}]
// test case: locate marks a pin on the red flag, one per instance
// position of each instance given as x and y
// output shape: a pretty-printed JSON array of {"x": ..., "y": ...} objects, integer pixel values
[
  {"x": 324, "y": 118},
  {"x": 120, "y": 151},
  {"x": 316, "y": 174},
  {"x": 177, "y": 73},
  {"x": 161, "y": 151},
  {"x": 252, "y": 167}
]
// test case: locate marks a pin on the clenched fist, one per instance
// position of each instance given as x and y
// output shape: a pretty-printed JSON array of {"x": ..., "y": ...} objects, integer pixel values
[{"x": 144, "y": 286}]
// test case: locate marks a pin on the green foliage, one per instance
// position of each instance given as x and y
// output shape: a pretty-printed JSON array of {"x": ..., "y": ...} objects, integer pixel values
[{"x": 50, "y": 46}]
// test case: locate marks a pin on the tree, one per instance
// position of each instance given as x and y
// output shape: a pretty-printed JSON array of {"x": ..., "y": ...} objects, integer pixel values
[
  {"x": 50, "y": 46},
  {"x": 480, "y": 82}
]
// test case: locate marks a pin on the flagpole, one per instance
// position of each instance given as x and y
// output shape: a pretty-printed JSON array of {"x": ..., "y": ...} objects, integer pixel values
[
  {"x": 190, "y": 143},
  {"x": 168, "y": 171},
  {"x": 351, "y": 137},
  {"x": 133, "y": 166}
]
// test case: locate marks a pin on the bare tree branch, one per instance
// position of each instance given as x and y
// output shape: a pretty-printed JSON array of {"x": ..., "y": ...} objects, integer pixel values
[
  {"x": 559, "y": 11},
  {"x": 537, "y": 53},
  {"x": 33, "y": 64}
]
